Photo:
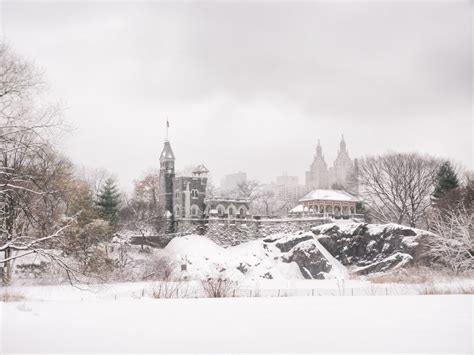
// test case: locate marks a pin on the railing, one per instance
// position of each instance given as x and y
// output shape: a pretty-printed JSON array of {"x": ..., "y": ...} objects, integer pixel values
[{"x": 328, "y": 215}]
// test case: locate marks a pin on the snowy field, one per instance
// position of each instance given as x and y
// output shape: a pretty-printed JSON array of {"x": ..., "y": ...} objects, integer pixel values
[
  {"x": 247, "y": 288},
  {"x": 394, "y": 324},
  {"x": 286, "y": 313}
]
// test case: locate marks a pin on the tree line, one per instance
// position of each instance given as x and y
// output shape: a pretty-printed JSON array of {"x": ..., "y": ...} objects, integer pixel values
[{"x": 48, "y": 207}]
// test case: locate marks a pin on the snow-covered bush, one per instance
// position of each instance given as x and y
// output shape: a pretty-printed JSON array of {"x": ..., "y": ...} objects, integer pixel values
[
  {"x": 453, "y": 242},
  {"x": 219, "y": 287},
  {"x": 169, "y": 289},
  {"x": 159, "y": 267},
  {"x": 85, "y": 243}
]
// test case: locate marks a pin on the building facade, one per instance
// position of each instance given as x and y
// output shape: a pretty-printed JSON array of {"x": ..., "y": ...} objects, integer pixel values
[
  {"x": 327, "y": 203},
  {"x": 235, "y": 208},
  {"x": 287, "y": 188},
  {"x": 190, "y": 194},
  {"x": 231, "y": 181},
  {"x": 184, "y": 197},
  {"x": 320, "y": 176}
]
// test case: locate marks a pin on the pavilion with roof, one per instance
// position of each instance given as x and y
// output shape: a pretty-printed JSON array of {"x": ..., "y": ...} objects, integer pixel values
[{"x": 327, "y": 203}]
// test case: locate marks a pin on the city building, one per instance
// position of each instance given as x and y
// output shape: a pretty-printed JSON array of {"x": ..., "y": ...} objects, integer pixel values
[
  {"x": 320, "y": 176},
  {"x": 287, "y": 188},
  {"x": 231, "y": 181}
]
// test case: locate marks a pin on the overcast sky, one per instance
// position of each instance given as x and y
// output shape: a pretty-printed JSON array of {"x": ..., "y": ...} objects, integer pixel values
[{"x": 251, "y": 86}]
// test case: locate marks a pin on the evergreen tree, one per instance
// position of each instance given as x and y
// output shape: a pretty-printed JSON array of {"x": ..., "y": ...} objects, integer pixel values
[
  {"x": 446, "y": 180},
  {"x": 108, "y": 202}
]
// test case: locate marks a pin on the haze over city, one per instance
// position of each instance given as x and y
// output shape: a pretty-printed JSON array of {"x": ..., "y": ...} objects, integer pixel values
[{"x": 251, "y": 87}]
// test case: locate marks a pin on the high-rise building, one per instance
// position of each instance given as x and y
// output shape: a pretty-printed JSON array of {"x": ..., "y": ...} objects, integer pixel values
[
  {"x": 320, "y": 177},
  {"x": 286, "y": 188},
  {"x": 342, "y": 167},
  {"x": 231, "y": 181}
]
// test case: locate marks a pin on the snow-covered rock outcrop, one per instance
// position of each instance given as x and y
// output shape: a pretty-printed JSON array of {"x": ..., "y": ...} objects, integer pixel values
[
  {"x": 280, "y": 256},
  {"x": 372, "y": 247},
  {"x": 326, "y": 252}
]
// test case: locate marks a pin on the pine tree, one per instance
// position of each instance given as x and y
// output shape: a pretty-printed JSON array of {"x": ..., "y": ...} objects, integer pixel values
[
  {"x": 446, "y": 180},
  {"x": 108, "y": 202}
]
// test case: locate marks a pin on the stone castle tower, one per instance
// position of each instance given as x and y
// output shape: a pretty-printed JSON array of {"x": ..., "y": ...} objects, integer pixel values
[
  {"x": 167, "y": 175},
  {"x": 320, "y": 176},
  {"x": 183, "y": 196}
]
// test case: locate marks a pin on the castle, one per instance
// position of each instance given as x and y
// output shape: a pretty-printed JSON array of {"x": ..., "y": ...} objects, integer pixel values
[
  {"x": 184, "y": 197},
  {"x": 320, "y": 176}
]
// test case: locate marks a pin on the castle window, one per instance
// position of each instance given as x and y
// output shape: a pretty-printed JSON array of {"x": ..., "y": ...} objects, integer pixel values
[
  {"x": 194, "y": 193},
  {"x": 242, "y": 212},
  {"x": 176, "y": 194},
  {"x": 220, "y": 210},
  {"x": 194, "y": 210},
  {"x": 231, "y": 211}
]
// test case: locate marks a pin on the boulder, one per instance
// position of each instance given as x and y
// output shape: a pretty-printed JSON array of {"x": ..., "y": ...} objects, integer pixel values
[
  {"x": 286, "y": 243},
  {"x": 373, "y": 247},
  {"x": 392, "y": 262},
  {"x": 311, "y": 261}
]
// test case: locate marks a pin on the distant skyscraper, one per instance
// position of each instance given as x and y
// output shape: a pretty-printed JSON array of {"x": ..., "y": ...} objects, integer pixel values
[
  {"x": 287, "y": 188},
  {"x": 343, "y": 165},
  {"x": 320, "y": 177},
  {"x": 231, "y": 181}
]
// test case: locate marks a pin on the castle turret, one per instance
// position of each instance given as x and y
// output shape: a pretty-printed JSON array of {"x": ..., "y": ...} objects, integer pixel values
[{"x": 167, "y": 174}]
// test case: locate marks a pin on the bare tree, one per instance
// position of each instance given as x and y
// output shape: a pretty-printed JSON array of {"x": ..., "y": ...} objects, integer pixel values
[
  {"x": 247, "y": 190},
  {"x": 265, "y": 198},
  {"x": 28, "y": 165},
  {"x": 453, "y": 242},
  {"x": 397, "y": 186},
  {"x": 142, "y": 211}
]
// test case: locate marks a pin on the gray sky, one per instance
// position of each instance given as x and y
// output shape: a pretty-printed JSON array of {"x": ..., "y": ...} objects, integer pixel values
[{"x": 251, "y": 86}]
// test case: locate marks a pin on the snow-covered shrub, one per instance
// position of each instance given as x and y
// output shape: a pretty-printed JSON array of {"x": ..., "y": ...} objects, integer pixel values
[
  {"x": 85, "y": 243},
  {"x": 32, "y": 270},
  {"x": 219, "y": 287},
  {"x": 453, "y": 242},
  {"x": 415, "y": 275},
  {"x": 98, "y": 264},
  {"x": 170, "y": 289},
  {"x": 159, "y": 267},
  {"x": 437, "y": 290},
  {"x": 10, "y": 297}
]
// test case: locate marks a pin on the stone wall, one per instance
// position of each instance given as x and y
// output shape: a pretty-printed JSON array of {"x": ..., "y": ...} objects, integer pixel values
[{"x": 232, "y": 232}]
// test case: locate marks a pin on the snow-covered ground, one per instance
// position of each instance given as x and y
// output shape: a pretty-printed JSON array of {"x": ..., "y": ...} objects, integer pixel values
[
  {"x": 245, "y": 288},
  {"x": 398, "y": 324},
  {"x": 259, "y": 315}
]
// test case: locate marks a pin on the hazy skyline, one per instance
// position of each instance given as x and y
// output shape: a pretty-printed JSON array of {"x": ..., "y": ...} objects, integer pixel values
[{"x": 251, "y": 86}]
